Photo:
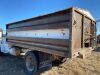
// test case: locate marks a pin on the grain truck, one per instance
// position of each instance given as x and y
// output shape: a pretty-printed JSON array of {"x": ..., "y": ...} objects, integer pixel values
[{"x": 67, "y": 33}]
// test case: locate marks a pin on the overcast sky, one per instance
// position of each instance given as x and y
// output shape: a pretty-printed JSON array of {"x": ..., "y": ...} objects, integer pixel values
[{"x": 15, "y": 10}]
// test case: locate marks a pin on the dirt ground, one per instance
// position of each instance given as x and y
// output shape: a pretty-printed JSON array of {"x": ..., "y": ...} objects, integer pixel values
[
  {"x": 10, "y": 65},
  {"x": 88, "y": 66}
]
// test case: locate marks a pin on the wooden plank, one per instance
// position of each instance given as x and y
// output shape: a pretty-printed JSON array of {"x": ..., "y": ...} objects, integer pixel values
[
  {"x": 86, "y": 30},
  {"x": 44, "y": 26},
  {"x": 41, "y": 21},
  {"x": 47, "y": 33},
  {"x": 70, "y": 36},
  {"x": 65, "y": 11},
  {"x": 76, "y": 31},
  {"x": 46, "y": 50},
  {"x": 59, "y": 48},
  {"x": 58, "y": 42}
]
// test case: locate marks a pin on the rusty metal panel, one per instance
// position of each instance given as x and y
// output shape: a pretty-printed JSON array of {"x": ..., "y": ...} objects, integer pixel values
[
  {"x": 42, "y": 21},
  {"x": 36, "y": 46},
  {"x": 76, "y": 31},
  {"x": 44, "y": 26},
  {"x": 46, "y": 50},
  {"x": 59, "y": 48},
  {"x": 57, "y": 42}
]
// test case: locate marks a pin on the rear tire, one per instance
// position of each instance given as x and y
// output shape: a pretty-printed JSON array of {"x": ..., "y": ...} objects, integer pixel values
[{"x": 31, "y": 63}]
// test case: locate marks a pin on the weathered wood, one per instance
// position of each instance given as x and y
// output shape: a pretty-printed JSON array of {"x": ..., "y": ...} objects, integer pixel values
[
  {"x": 59, "y": 48},
  {"x": 47, "y": 20},
  {"x": 46, "y": 50},
  {"x": 58, "y": 42},
  {"x": 64, "y": 24},
  {"x": 61, "y": 33}
]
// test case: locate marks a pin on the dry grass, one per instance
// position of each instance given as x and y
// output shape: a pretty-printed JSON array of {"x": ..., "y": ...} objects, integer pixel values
[
  {"x": 88, "y": 66},
  {"x": 10, "y": 65}
]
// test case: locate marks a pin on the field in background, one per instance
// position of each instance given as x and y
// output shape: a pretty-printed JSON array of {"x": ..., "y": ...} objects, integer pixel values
[{"x": 10, "y": 65}]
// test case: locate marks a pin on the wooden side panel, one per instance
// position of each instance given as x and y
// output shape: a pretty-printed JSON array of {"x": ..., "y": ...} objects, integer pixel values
[
  {"x": 58, "y": 18},
  {"x": 61, "y": 33},
  {"x": 46, "y": 33},
  {"x": 86, "y": 31},
  {"x": 93, "y": 34},
  {"x": 41, "y": 27},
  {"x": 38, "y": 48},
  {"x": 76, "y": 31},
  {"x": 57, "y": 42}
]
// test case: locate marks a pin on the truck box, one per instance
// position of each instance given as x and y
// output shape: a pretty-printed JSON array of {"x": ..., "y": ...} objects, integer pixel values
[{"x": 67, "y": 33}]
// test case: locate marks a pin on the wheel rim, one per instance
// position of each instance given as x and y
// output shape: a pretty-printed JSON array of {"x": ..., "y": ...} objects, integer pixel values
[{"x": 30, "y": 63}]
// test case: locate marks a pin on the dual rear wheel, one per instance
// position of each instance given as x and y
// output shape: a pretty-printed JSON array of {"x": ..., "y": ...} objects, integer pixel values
[{"x": 31, "y": 63}]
